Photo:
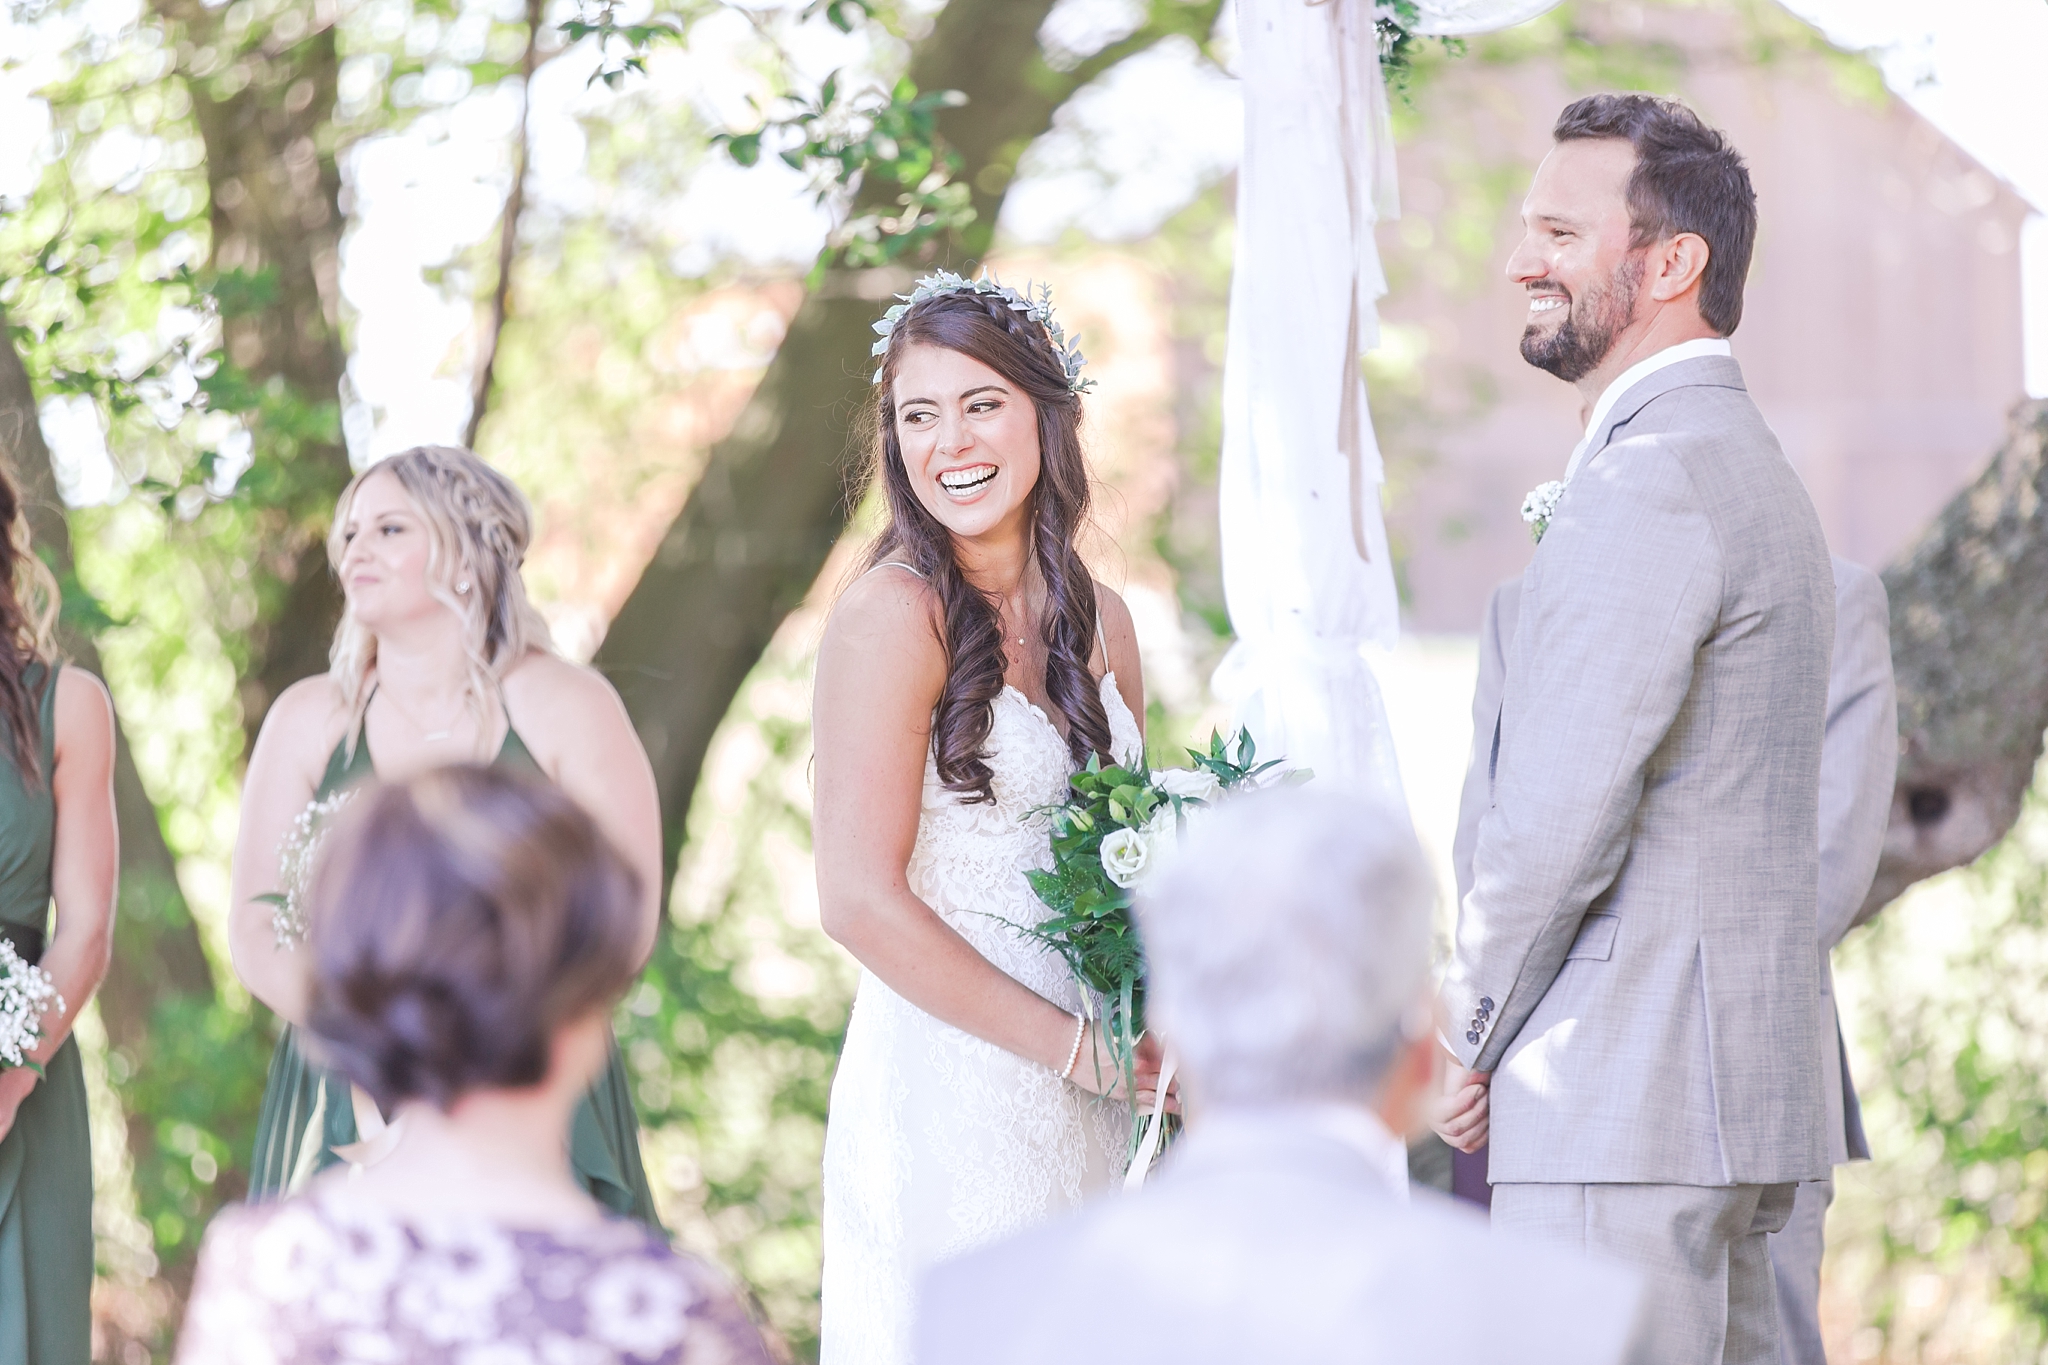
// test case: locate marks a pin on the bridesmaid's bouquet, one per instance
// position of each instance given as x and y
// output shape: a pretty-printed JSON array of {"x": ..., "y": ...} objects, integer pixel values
[
  {"x": 26, "y": 995},
  {"x": 295, "y": 859},
  {"x": 1117, "y": 826}
]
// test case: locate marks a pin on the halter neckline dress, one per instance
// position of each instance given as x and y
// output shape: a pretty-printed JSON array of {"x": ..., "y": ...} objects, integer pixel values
[
  {"x": 46, "y": 1250},
  {"x": 307, "y": 1111}
]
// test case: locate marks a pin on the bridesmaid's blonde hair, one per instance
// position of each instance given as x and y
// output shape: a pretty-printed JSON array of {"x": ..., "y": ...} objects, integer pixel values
[{"x": 478, "y": 527}]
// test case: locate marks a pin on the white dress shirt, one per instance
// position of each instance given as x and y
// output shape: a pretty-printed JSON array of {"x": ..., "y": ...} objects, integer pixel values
[{"x": 1635, "y": 374}]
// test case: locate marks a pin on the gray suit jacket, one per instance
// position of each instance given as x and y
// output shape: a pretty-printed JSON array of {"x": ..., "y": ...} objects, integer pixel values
[
  {"x": 1636, "y": 960},
  {"x": 1264, "y": 1240},
  {"x": 1859, "y": 760}
]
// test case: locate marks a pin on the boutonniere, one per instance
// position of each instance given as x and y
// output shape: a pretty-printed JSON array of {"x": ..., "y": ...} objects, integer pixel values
[{"x": 1539, "y": 506}]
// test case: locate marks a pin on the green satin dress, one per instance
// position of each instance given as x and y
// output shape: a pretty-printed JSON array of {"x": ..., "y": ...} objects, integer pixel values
[
  {"x": 46, "y": 1158},
  {"x": 307, "y": 1111}
]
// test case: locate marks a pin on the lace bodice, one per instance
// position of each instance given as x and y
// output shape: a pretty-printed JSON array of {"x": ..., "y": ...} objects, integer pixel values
[
  {"x": 969, "y": 860},
  {"x": 939, "y": 1142}
]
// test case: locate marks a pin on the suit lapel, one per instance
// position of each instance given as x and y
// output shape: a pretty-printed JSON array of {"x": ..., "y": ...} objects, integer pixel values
[{"x": 1707, "y": 371}]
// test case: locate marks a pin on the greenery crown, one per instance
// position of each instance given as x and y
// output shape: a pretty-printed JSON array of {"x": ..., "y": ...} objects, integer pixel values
[{"x": 1037, "y": 307}]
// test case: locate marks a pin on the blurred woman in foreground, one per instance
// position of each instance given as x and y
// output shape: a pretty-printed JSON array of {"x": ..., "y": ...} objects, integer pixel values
[{"x": 468, "y": 933}]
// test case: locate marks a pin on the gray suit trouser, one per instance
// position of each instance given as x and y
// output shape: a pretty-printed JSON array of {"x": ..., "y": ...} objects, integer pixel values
[
  {"x": 1795, "y": 1261},
  {"x": 1702, "y": 1248}
]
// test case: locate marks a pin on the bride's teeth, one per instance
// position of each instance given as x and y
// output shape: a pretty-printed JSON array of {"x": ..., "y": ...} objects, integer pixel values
[{"x": 960, "y": 480}]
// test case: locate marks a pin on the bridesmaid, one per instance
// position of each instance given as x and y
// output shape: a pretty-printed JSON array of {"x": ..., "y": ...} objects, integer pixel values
[
  {"x": 439, "y": 658},
  {"x": 58, "y": 841}
]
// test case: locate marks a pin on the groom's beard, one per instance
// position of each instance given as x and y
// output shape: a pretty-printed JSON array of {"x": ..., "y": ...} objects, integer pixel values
[{"x": 1590, "y": 325}]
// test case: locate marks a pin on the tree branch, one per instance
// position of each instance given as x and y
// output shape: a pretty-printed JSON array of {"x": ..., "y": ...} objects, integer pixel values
[
  {"x": 508, "y": 231},
  {"x": 1969, "y": 614}
]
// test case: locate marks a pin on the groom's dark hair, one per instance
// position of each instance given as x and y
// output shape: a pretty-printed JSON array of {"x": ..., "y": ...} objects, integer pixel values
[{"x": 1688, "y": 178}]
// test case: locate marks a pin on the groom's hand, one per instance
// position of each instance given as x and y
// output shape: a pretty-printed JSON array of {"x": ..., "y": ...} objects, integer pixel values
[{"x": 1460, "y": 1116}]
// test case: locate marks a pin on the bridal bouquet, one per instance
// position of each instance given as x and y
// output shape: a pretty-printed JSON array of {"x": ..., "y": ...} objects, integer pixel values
[
  {"x": 1115, "y": 829},
  {"x": 26, "y": 994}
]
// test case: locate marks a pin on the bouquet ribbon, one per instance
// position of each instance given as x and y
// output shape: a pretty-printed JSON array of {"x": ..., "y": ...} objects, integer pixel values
[{"x": 1155, "y": 1127}]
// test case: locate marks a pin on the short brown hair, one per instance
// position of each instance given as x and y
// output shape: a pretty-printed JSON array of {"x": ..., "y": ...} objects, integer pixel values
[
  {"x": 1687, "y": 178},
  {"x": 455, "y": 921}
]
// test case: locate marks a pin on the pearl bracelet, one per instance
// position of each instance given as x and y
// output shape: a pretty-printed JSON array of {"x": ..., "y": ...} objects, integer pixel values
[{"x": 1080, "y": 1028}]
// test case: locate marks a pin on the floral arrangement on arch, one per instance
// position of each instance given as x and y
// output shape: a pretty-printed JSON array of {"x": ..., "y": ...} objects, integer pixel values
[{"x": 1117, "y": 826}]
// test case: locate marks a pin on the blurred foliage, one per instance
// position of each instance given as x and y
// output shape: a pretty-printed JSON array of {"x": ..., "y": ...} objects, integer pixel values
[
  {"x": 1947, "y": 1230},
  {"x": 733, "y": 1035},
  {"x": 888, "y": 135}
]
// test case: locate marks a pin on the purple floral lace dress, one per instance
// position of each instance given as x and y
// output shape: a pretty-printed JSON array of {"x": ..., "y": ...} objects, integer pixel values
[{"x": 325, "y": 1278}]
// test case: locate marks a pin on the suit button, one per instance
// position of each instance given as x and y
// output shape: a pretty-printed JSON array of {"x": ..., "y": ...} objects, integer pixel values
[
  {"x": 1473, "y": 1038},
  {"x": 1486, "y": 1004}
]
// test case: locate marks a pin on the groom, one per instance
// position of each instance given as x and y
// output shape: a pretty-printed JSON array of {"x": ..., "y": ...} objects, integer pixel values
[{"x": 1635, "y": 984}]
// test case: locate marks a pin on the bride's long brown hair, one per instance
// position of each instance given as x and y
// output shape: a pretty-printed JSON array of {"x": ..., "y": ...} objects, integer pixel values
[{"x": 984, "y": 327}]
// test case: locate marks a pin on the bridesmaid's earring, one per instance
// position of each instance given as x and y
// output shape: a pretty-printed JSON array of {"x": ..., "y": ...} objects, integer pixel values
[{"x": 463, "y": 586}]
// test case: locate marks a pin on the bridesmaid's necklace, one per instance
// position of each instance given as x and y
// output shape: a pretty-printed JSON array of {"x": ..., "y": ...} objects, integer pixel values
[{"x": 426, "y": 735}]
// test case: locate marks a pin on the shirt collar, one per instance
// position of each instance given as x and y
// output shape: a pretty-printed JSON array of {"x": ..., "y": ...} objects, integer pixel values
[
  {"x": 1353, "y": 1126},
  {"x": 1634, "y": 375}
]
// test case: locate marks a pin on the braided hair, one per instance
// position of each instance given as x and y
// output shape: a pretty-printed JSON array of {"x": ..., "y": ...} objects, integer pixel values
[
  {"x": 478, "y": 527},
  {"x": 985, "y": 328}
]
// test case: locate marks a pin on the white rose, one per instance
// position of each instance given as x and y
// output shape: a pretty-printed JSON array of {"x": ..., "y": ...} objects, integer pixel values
[
  {"x": 1197, "y": 784},
  {"x": 1124, "y": 855}
]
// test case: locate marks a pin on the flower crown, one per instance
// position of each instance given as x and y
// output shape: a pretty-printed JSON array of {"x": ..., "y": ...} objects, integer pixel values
[{"x": 1038, "y": 309}]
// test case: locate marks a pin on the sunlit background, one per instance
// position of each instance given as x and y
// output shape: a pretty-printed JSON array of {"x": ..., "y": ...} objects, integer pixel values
[{"x": 657, "y": 278}]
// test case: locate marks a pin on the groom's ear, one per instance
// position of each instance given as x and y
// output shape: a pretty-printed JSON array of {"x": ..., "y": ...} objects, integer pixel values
[{"x": 1676, "y": 266}]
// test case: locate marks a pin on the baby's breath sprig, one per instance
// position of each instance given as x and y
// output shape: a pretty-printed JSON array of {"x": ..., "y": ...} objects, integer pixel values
[
  {"x": 295, "y": 858},
  {"x": 26, "y": 995},
  {"x": 1036, "y": 306}
]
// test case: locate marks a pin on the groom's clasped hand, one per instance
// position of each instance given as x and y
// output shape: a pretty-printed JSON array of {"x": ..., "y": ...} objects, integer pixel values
[{"x": 1459, "y": 1113}]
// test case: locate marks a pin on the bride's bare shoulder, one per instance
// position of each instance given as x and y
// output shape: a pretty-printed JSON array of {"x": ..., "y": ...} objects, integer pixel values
[
  {"x": 887, "y": 619},
  {"x": 889, "y": 607}
]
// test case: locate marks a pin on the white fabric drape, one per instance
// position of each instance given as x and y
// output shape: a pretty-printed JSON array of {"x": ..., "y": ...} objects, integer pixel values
[{"x": 1306, "y": 570}]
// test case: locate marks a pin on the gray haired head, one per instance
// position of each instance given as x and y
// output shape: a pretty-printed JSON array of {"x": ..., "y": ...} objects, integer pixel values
[{"x": 1287, "y": 942}]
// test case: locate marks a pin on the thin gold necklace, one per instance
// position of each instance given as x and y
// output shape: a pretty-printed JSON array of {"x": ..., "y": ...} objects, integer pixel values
[{"x": 426, "y": 735}]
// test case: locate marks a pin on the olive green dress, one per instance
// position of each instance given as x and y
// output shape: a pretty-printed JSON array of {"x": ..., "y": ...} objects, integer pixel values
[
  {"x": 307, "y": 1111},
  {"x": 46, "y": 1159}
]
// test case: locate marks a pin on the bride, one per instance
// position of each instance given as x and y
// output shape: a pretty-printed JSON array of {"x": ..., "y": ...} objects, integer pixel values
[{"x": 960, "y": 682}]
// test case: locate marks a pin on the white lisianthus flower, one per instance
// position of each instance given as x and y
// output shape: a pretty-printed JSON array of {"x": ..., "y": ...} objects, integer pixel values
[
  {"x": 1124, "y": 855},
  {"x": 1190, "y": 784}
]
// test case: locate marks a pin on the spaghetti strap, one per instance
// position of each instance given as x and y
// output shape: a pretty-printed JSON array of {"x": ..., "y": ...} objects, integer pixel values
[
  {"x": 1100, "y": 638},
  {"x": 894, "y": 564}
]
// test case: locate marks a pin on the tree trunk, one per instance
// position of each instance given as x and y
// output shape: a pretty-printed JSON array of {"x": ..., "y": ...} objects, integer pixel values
[
  {"x": 1969, "y": 615},
  {"x": 276, "y": 219},
  {"x": 756, "y": 530}
]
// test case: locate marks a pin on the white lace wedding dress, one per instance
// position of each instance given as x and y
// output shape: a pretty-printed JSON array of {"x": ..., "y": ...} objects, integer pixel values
[{"x": 938, "y": 1142}]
